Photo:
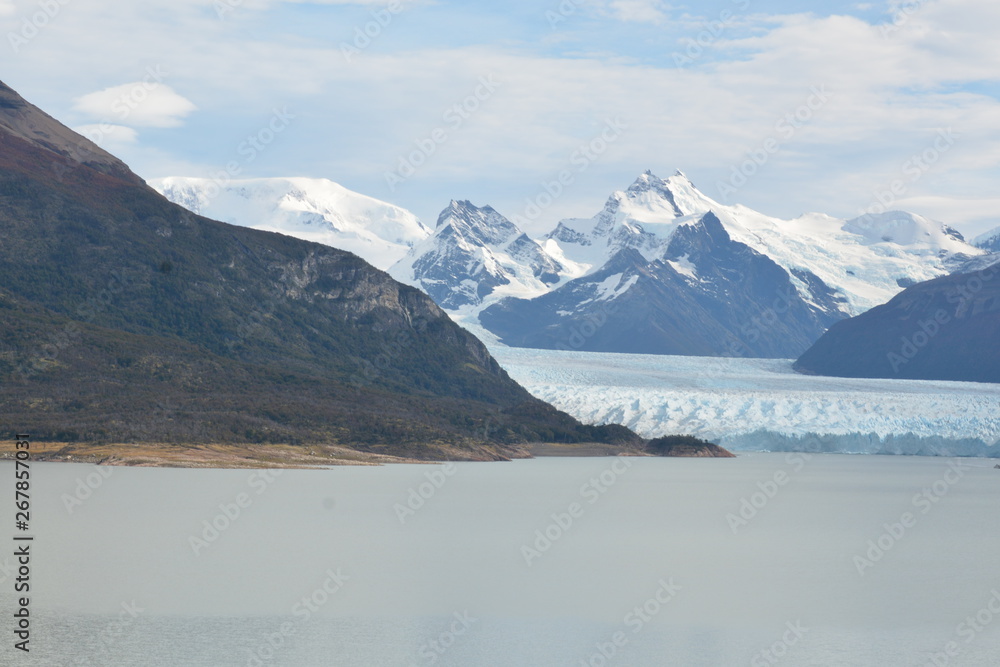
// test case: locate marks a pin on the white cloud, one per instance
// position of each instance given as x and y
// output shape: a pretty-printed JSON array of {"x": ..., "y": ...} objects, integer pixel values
[
  {"x": 7, "y": 8},
  {"x": 888, "y": 95},
  {"x": 145, "y": 103}
]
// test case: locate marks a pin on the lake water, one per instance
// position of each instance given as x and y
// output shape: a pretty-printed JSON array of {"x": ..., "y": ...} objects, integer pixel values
[{"x": 835, "y": 560}]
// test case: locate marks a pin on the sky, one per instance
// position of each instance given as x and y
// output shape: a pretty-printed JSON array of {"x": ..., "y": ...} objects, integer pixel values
[{"x": 539, "y": 109}]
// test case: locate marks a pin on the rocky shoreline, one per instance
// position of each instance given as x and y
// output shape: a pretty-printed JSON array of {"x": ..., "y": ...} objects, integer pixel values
[{"x": 308, "y": 456}]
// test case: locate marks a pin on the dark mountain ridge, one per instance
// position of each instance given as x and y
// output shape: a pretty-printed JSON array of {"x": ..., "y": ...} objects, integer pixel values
[
  {"x": 126, "y": 318},
  {"x": 942, "y": 329}
]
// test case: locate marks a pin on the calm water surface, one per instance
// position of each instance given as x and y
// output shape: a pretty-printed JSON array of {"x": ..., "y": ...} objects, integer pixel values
[{"x": 766, "y": 559}]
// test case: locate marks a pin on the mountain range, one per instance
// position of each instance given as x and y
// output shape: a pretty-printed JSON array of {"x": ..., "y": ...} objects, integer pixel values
[
  {"x": 125, "y": 318},
  {"x": 662, "y": 268}
]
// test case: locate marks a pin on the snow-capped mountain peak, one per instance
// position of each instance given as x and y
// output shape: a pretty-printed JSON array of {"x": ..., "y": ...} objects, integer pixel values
[
  {"x": 642, "y": 217},
  {"x": 989, "y": 241},
  {"x": 479, "y": 225},
  {"x": 906, "y": 229},
  {"x": 654, "y": 192},
  {"x": 313, "y": 209},
  {"x": 705, "y": 272},
  {"x": 683, "y": 272},
  {"x": 475, "y": 253}
]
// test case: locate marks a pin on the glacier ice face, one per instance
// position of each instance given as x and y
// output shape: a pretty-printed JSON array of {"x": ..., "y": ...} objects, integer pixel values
[{"x": 761, "y": 404}]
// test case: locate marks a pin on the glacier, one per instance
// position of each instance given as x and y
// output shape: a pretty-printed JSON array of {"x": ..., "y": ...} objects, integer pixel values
[{"x": 761, "y": 404}]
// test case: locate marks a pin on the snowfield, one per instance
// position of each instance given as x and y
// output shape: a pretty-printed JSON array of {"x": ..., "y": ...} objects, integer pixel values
[
  {"x": 311, "y": 209},
  {"x": 762, "y": 404}
]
